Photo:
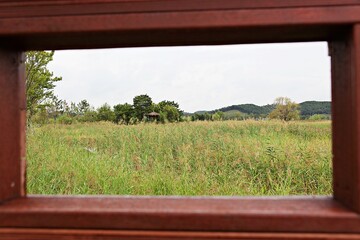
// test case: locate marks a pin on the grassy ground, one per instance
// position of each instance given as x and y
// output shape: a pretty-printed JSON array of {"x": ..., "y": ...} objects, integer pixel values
[{"x": 196, "y": 158}]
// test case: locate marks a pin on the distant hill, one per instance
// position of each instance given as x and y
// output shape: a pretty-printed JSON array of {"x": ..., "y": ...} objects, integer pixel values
[
  {"x": 250, "y": 109},
  {"x": 307, "y": 109},
  {"x": 313, "y": 107}
]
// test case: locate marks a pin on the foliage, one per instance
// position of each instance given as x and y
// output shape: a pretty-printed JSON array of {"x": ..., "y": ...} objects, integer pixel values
[
  {"x": 217, "y": 116},
  {"x": 104, "y": 113},
  {"x": 250, "y": 109},
  {"x": 40, "y": 82},
  {"x": 319, "y": 117},
  {"x": 193, "y": 158},
  {"x": 285, "y": 109},
  {"x": 165, "y": 103},
  {"x": 65, "y": 119},
  {"x": 83, "y": 107},
  {"x": 307, "y": 109},
  {"x": 310, "y": 108},
  {"x": 123, "y": 113},
  {"x": 171, "y": 113},
  {"x": 40, "y": 117},
  {"x": 235, "y": 115},
  {"x": 89, "y": 116},
  {"x": 142, "y": 105}
]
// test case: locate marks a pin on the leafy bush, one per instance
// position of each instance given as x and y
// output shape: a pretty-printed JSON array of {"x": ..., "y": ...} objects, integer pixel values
[
  {"x": 318, "y": 117},
  {"x": 65, "y": 119}
]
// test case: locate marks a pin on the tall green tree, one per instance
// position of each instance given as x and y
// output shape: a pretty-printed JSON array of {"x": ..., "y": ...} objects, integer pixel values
[
  {"x": 105, "y": 113},
  {"x": 142, "y": 105},
  {"x": 123, "y": 113},
  {"x": 83, "y": 106},
  {"x": 285, "y": 109},
  {"x": 171, "y": 113},
  {"x": 40, "y": 82},
  {"x": 164, "y": 103}
]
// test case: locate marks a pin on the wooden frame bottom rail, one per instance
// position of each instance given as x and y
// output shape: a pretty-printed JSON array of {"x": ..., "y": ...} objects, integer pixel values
[
  {"x": 60, "y": 234},
  {"x": 289, "y": 214}
]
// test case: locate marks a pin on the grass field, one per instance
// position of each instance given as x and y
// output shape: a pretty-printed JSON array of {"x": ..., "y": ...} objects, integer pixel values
[{"x": 195, "y": 158}]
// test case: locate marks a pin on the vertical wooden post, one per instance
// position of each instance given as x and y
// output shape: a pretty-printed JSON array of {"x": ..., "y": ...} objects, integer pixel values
[
  {"x": 345, "y": 62},
  {"x": 12, "y": 125}
]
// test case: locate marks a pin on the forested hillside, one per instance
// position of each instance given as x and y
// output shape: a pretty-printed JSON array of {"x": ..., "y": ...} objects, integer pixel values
[
  {"x": 310, "y": 108},
  {"x": 307, "y": 109}
]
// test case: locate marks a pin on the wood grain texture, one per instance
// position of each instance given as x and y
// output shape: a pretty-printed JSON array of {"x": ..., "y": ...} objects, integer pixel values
[
  {"x": 66, "y": 24},
  {"x": 74, "y": 7},
  {"x": 12, "y": 123},
  {"x": 346, "y": 118},
  {"x": 89, "y": 26},
  {"x": 307, "y": 214},
  {"x": 62, "y": 234}
]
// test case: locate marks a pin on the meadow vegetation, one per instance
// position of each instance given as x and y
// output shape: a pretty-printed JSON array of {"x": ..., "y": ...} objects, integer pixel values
[{"x": 187, "y": 158}]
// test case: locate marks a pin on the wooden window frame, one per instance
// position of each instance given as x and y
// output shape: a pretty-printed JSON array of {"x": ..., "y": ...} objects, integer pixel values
[{"x": 73, "y": 24}]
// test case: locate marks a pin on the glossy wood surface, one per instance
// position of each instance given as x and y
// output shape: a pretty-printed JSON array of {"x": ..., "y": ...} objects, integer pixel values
[
  {"x": 345, "y": 57},
  {"x": 68, "y": 24},
  {"x": 76, "y": 7},
  {"x": 166, "y": 23},
  {"x": 25, "y": 234},
  {"x": 304, "y": 214},
  {"x": 12, "y": 131}
]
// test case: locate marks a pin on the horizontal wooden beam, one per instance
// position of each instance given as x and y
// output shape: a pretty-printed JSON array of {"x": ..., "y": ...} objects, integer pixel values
[
  {"x": 26, "y": 233},
  {"x": 94, "y": 29},
  {"x": 302, "y": 214},
  {"x": 48, "y": 8}
]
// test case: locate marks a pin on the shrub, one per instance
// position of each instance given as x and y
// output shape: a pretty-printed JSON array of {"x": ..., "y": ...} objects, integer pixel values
[{"x": 65, "y": 119}]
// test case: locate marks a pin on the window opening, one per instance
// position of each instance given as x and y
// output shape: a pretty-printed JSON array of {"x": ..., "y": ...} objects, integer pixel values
[{"x": 221, "y": 142}]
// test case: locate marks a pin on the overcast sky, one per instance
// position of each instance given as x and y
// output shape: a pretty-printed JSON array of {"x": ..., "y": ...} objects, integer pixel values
[{"x": 198, "y": 77}]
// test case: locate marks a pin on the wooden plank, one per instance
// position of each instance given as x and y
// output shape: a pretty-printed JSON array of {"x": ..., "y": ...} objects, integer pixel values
[
  {"x": 177, "y": 28},
  {"x": 12, "y": 125},
  {"x": 346, "y": 119},
  {"x": 73, "y": 7},
  {"x": 61, "y": 234},
  {"x": 308, "y": 214},
  {"x": 180, "y": 20}
]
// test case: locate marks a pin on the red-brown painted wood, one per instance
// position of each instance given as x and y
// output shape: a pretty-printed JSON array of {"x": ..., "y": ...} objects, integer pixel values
[
  {"x": 176, "y": 27},
  {"x": 307, "y": 214},
  {"x": 71, "y": 7},
  {"x": 44, "y": 24},
  {"x": 25, "y": 234},
  {"x": 12, "y": 131},
  {"x": 345, "y": 57}
]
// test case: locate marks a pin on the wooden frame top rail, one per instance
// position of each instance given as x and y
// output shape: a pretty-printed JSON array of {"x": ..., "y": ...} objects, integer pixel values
[
  {"x": 71, "y": 7},
  {"x": 51, "y": 25},
  {"x": 72, "y": 24}
]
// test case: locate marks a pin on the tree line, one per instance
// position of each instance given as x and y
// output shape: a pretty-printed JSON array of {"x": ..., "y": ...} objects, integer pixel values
[
  {"x": 43, "y": 106},
  {"x": 142, "y": 107},
  {"x": 57, "y": 110}
]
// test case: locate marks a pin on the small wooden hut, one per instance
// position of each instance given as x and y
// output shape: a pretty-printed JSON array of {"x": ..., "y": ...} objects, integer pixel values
[{"x": 153, "y": 116}]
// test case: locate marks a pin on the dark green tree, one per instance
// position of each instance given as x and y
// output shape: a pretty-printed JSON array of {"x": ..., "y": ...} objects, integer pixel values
[
  {"x": 123, "y": 113},
  {"x": 40, "y": 82},
  {"x": 164, "y": 103},
  {"x": 105, "y": 113},
  {"x": 171, "y": 113},
  {"x": 83, "y": 107},
  {"x": 142, "y": 105}
]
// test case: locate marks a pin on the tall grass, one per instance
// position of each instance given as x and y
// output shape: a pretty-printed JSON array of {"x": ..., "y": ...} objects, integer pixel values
[{"x": 196, "y": 158}]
